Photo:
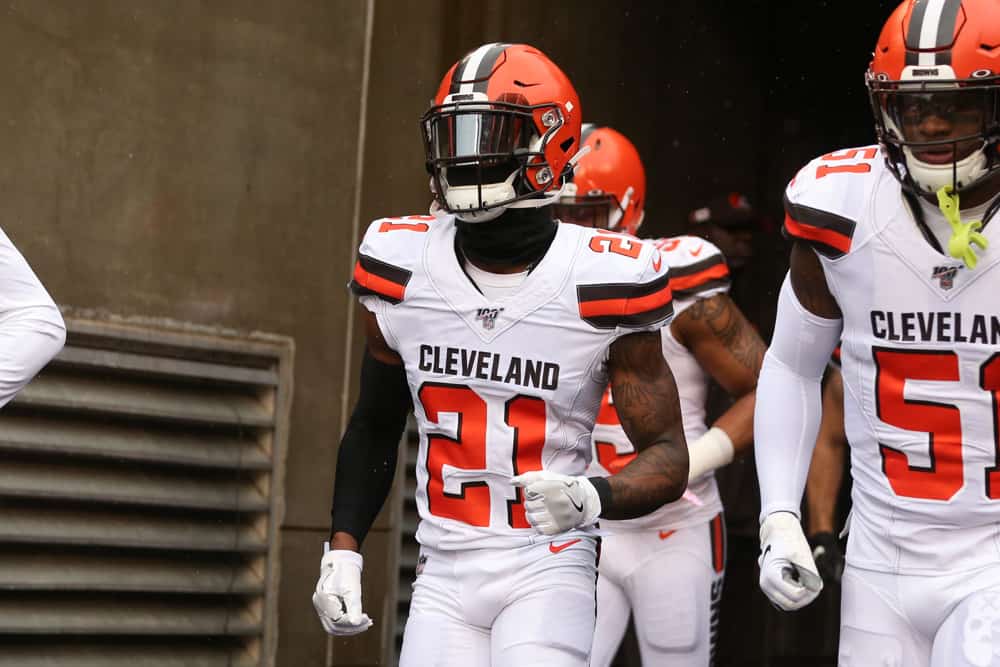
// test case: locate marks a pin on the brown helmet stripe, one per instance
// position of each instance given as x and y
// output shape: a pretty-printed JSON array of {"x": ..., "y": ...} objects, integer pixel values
[
  {"x": 946, "y": 30},
  {"x": 486, "y": 66},
  {"x": 472, "y": 72},
  {"x": 913, "y": 30},
  {"x": 930, "y": 31}
]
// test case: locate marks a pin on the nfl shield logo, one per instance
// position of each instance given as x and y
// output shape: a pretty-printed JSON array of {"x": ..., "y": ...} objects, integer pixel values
[
  {"x": 488, "y": 316},
  {"x": 946, "y": 274}
]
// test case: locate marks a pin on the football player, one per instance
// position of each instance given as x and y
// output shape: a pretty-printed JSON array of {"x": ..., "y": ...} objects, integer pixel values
[
  {"x": 31, "y": 328},
  {"x": 502, "y": 328},
  {"x": 896, "y": 250},
  {"x": 728, "y": 221},
  {"x": 666, "y": 568}
]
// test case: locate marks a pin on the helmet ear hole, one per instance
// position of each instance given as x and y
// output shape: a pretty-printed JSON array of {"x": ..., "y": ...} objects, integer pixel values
[{"x": 566, "y": 145}]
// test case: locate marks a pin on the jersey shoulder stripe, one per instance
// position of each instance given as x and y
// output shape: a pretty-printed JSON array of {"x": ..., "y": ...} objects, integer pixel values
[
  {"x": 373, "y": 277},
  {"x": 829, "y": 196},
  {"x": 701, "y": 276},
  {"x": 389, "y": 254},
  {"x": 609, "y": 306},
  {"x": 828, "y": 233}
]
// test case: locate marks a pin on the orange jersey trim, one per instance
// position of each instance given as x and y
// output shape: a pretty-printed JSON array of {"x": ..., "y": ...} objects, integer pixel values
[
  {"x": 696, "y": 279},
  {"x": 808, "y": 232},
  {"x": 377, "y": 284},
  {"x": 631, "y": 306}
]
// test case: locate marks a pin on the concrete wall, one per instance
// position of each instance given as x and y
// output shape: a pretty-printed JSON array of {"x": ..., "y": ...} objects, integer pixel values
[{"x": 197, "y": 161}]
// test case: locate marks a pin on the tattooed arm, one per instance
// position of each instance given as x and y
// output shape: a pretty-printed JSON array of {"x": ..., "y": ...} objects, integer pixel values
[
  {"x": 729, "y": 349},
  {"x": 646, "y": 400}
]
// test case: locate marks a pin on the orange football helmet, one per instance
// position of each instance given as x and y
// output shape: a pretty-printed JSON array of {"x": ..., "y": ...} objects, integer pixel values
[
  {"x": 501, "y": 133},
  {"x": 933, "y": 84},
  {"x": 609, "y": 186}
]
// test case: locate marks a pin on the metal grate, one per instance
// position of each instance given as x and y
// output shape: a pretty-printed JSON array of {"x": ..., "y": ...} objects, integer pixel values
[
  {"x": 140, "y": 500},
  {"x": 408, "y": 547}
]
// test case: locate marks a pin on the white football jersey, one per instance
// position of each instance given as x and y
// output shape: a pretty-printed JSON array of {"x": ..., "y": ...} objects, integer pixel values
[
  {"x": 921, "y": 366},
  {"x": 502, "y": 387},
  {"x": 697, "y": 271}
]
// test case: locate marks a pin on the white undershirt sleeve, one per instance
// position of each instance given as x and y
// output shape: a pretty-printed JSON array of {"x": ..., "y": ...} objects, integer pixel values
[
  {"x": 31, "y": 328},
  {"x": 789, "y": 405}
]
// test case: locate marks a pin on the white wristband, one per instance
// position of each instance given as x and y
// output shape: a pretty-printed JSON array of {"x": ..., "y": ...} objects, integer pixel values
[{"x": 712, "y": 450}]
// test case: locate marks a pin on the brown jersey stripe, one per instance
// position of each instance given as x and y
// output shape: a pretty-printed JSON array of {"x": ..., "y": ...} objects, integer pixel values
[
  {"x": 693, "y": 269},
  {"x": 830, "y": 234},
  {"x": 626, "y": 305},
  {"x": 707, "y": 274},
  {"x": 635, "y": 321},
  {"x": 607, "y": 291},
  {"x": 701, "y": 288},
  {"x": 374, "y": 277}
]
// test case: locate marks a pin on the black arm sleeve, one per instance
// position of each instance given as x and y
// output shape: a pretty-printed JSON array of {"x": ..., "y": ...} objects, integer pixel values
[{"x": 366, "y": 461}]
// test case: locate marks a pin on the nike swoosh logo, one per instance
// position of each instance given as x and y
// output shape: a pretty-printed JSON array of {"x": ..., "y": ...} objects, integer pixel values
[
  {"x": 697, "y": 251},
  {"x": 664, "y": 534},
  {"x": 578, "y": 508},
  {"x": 766, "y": 549},
  {"x": 819, "y": 551},
  {"x": 556, "y": 548},
  {"x": 658, "y": 262}
]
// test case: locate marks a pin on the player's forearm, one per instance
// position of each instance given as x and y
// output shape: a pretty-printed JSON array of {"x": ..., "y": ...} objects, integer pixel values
[
  {"x": 658, "y": 475},
  {"x": 737, "y": 422},
  {"x": 366, "y": 461},
  {"x": 786, "y": 422},
  {"x": 788, "y": 410}
]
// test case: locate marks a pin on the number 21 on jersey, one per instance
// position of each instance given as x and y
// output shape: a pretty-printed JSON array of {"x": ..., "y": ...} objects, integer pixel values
[{"x": 466, "y": 451}]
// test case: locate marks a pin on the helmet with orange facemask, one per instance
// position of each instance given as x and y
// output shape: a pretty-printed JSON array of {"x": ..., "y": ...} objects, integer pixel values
[
  {"x": 608, "y": 189},
  {"x": 501, "y": 133},
  {"x": 933, "y": 84}
]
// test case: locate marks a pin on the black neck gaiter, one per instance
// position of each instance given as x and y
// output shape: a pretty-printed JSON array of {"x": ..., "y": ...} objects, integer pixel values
[{"x": 519, "y": 236}]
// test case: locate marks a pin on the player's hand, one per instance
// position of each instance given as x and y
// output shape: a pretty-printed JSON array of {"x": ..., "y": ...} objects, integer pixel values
[
  {"x": 556, "y": 503},
  {"x": 788, "y": 573},
  {"x": 338, "y": 593},
  {"x": 828, "y": 555}
]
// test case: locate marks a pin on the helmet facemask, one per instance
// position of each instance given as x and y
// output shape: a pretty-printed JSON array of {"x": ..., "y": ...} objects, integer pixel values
[
  {"x": 937, "y": 132},
  {"x": 591, "y": 209},
  {"x": 486, "y": 156}
]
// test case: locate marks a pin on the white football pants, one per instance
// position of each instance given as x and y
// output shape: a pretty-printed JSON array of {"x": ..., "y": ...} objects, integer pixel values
[
  {"x": 893, "y": 620},
  {"x": 522, "y": 607},
  {"x": 672, "y": 582}
]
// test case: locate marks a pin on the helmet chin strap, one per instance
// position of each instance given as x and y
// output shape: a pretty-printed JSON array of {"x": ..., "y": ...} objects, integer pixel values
[{"x": 964, "y": 235}]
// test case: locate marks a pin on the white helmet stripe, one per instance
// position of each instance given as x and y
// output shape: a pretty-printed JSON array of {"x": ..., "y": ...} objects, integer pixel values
[
  {"x": 929, "y": 31},
  {"x": 485, "y": 55}
]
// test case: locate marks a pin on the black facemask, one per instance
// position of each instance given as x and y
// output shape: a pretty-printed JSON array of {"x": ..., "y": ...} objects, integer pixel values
[{"x": 519, "y": 236}]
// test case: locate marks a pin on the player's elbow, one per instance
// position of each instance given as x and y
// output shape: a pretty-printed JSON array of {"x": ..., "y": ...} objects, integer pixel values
[
  {"x": 52, "y": 331},
  {"x": 45, "y": 336}
]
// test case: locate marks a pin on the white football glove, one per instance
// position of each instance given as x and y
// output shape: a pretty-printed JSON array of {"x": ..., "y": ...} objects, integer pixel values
[
  {"x": 788, "y": 574},
  {"x": 338, "y": 593},
  {"x": 556, "y": 503}
]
